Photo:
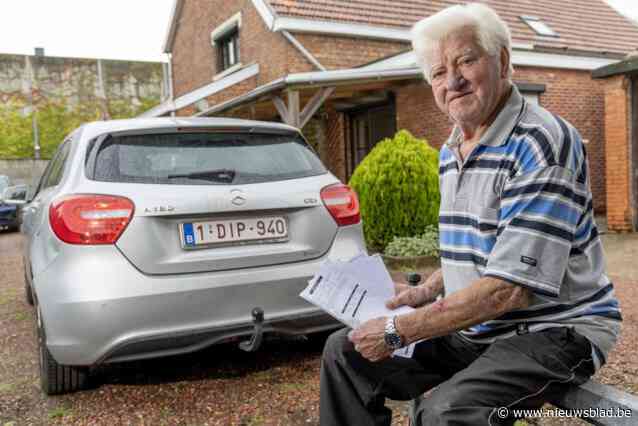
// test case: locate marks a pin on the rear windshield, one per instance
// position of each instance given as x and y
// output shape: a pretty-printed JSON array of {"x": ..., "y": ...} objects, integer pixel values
[{"x": 202, "y": 159}]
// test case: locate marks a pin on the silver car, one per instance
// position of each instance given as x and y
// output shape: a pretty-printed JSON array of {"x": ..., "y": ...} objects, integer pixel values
[{"x": 153, "y": 237}]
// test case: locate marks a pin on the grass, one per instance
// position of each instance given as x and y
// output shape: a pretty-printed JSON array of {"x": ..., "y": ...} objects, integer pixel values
[
  {"x": 21, "y": 316},
  {"x": 265, "y": 375},
  {"x": 291, "y": 387},
  {"x": 6, "y": 387},
  {"x": 59, "y": 412},
  {"x": 256, "y": 420}
]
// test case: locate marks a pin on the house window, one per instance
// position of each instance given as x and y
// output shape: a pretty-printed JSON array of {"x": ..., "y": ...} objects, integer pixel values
[
  {"x": 228, "y": 50},
  {"x": 225, "y": 41},
  {"x": 539, "y": 27}
]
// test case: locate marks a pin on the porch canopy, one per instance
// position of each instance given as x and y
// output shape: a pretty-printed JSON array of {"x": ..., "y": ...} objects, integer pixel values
[{"x": 297, "y": 97}]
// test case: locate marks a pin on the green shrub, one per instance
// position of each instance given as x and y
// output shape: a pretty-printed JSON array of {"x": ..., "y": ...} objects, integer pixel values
[
  {"x": 426, "y": 244},
  {"x": 398, "y": 188}
]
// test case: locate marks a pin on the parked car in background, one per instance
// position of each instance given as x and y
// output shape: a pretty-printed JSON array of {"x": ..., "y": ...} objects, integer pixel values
[
  {"x": 9, "y": 214},
  {"x": 147, "y": 238}
]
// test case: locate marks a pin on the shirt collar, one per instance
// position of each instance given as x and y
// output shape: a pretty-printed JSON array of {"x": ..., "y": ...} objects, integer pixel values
[{"x": 498, "y": 132}]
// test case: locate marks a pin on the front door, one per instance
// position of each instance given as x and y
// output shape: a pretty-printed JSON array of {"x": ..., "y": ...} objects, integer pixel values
[{"x": 367, "y": 127}]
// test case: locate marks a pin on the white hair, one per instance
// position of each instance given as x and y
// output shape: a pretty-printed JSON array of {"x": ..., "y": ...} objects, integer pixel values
[{"x": 491, "y": 32}]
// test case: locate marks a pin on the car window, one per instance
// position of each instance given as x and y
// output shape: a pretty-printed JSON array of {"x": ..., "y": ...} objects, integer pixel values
[
  {"x": 203, "y": 159},
  {"x": 56, "y": 167}
]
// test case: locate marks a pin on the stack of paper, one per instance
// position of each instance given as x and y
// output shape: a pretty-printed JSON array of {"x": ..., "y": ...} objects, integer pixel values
[{"x": 354, "y": 292}]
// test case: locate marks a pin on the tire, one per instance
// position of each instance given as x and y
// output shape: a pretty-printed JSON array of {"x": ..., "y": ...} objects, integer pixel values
[
  {"x": 28, "y": 293},
  {"x": 56, "y": 379}
]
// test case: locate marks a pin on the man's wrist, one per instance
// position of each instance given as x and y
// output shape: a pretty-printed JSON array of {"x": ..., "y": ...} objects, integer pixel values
[
  {"x": 400, "y": 328},
  {"x": 392, "y": 338}
]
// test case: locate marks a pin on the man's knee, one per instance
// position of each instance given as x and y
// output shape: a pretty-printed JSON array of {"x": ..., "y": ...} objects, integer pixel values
[{"x": 336, "y": 346}]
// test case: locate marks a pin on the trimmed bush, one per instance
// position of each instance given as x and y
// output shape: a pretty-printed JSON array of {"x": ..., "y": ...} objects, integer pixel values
[{"x": 398, "y": 188}]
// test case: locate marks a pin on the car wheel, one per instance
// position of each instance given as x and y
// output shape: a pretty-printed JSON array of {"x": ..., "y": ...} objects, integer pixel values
[{"x": 57, "y": 379}]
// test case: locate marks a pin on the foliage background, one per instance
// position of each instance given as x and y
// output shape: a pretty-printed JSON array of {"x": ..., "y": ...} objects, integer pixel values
[{"x": 55, "y": 120}]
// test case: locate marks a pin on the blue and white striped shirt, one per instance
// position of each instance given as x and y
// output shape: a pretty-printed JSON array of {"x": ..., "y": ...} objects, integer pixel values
[{"x": 519, "y": 208}]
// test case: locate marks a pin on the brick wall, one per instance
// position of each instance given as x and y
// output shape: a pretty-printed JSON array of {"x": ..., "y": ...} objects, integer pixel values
[
  {"x": 417, "y": 113},
  {"x": 347, "y": 52},
  {"x": 194, "y": 58},
  {"x": 617, "y": 151},
  {"x": 335, "y": 142}
]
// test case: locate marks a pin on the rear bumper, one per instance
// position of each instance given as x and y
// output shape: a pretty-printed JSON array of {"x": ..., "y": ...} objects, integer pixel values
[
  {"x": 98, "y": 308},
  {"x": 178, "y": 343}
]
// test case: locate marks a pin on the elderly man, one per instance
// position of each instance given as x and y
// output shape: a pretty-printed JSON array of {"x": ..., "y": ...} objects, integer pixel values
[{"x": 528, "y": 310}]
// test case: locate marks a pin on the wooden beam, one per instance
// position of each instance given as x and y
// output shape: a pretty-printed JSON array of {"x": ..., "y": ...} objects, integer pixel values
[
  {"x": 314, "y": 104},
  {"x": 281, "y": 109},
  {"x": 293, "y": 108}
]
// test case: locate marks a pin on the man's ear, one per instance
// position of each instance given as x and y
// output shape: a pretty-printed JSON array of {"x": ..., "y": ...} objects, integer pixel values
[{"x": 505, "y": 62}]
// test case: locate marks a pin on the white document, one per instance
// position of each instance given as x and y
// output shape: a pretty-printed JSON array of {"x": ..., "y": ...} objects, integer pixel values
[{"x": 354, "y": 292}]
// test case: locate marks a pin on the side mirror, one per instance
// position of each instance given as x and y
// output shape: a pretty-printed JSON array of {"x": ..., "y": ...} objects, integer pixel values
[{"x": 15, "y": 195}]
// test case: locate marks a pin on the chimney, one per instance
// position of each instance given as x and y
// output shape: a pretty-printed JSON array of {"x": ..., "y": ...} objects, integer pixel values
[{"x": 39, "y": 51}]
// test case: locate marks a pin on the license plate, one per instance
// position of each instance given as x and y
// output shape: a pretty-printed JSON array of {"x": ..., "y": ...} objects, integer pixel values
[{"x": 235, "y": 230}]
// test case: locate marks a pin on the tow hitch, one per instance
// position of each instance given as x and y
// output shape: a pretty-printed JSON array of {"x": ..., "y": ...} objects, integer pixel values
[{"x": 255, "y": 340}]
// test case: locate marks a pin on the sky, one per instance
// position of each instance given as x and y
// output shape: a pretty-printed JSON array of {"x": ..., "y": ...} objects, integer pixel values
[{"x": 108, "y": 29}]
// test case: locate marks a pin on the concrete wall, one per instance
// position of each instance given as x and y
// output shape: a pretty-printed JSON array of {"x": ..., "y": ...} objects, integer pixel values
[
  {"x": 62, "y": 93},
  {"x": 23, "y": 171}
]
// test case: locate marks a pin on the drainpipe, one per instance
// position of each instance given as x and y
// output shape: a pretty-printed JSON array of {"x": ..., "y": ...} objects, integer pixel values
[{"x": 169, "y": 72}]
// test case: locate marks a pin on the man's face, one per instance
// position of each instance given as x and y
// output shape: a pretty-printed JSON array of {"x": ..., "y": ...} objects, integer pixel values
[{"x": 467, "y": 83}]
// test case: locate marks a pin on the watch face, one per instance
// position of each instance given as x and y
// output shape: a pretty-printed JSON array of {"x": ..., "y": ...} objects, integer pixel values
[{"x": 393, "y": 340}]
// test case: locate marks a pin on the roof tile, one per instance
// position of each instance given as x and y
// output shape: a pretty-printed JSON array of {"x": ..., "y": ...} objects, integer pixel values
[{"x": 587, "y": 25}]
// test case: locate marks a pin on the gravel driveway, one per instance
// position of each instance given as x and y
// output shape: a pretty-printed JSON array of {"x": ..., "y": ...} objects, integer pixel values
[{"x": 279, "y": 385}]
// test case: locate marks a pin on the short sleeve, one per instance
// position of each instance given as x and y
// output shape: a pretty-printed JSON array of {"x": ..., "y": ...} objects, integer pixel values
[{"x": 539, "y": 213}]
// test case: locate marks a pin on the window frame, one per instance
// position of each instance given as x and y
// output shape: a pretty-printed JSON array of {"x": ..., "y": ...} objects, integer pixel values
[
  {"x": 226, "y": 42},
  {"x": 227, "y": 58},
  {"x": 541, "y": 28}
]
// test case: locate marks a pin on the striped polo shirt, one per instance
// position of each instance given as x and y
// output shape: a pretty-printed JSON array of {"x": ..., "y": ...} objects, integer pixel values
[{"x": 519, "y": 208}]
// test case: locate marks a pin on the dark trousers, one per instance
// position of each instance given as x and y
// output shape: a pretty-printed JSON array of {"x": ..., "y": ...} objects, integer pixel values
[{"x": 472, "y": 381}]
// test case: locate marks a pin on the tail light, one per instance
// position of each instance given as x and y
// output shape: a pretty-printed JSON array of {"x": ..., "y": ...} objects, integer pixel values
[
  {"x": 342, "y": 203},
  {"x": 90, "y": 219}
]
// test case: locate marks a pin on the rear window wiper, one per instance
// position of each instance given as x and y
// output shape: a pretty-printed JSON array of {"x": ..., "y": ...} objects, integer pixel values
[{"x": 217, "y": 175}]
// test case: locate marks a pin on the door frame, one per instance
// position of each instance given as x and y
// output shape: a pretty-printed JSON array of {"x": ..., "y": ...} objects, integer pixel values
[{"x": 350, "y": 113}]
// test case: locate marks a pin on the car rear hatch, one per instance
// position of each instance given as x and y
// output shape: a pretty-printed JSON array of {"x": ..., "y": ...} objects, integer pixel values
[{"x": 211, "y": 201}]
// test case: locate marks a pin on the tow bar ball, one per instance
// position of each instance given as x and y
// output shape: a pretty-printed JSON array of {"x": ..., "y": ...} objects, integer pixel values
[{"x": 255, "y": 340}]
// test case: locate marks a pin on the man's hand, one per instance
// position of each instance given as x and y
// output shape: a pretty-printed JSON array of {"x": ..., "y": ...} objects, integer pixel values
[
  {"x": 419, "y": 295},
  {"x": 369, "y": 341}
]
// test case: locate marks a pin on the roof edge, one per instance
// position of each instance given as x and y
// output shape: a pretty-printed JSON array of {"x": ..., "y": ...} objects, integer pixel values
[
  {"x": 266, "y": 12},
  {"x": 628, "y": 66},
  {"x": 178, "y": 5}
]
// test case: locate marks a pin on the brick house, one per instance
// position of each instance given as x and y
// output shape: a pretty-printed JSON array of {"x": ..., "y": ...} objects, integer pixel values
[{"x": 344, "y": 71}]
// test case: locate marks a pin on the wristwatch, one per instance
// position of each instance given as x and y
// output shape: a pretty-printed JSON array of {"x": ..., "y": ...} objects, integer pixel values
[{"x": 392, "y": 337}]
